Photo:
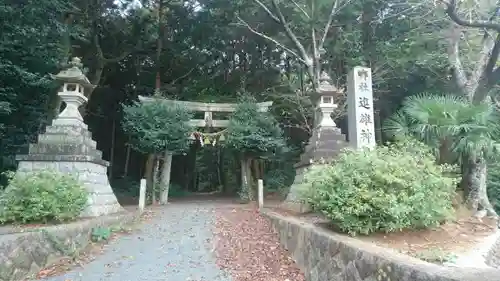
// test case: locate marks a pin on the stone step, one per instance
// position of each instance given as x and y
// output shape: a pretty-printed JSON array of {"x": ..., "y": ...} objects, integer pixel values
[
  {"x": 326, "y": 144},
  {"x": 29, "y": 160},
  {"x": 68, "y": 131},
  {"x": 325, "y": 152},
  {"x": 64, "y": 149},
  {"x": 58, "y": 139}
]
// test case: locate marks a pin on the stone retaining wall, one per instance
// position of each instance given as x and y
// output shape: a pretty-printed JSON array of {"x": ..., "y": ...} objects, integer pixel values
[
  {"x": 327, "y": 256},
  {"x": 23, "y": 254},
  {"x": 493, "y": 256}
]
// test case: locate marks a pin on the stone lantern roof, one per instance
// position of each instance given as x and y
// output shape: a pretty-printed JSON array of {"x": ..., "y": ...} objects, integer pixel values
[
  {"x": 326, "y": 86},
  {"x": 74, "y": 74}
]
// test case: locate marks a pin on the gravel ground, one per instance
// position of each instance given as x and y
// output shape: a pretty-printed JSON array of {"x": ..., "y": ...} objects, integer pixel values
[{"x": 174, "y": 246}]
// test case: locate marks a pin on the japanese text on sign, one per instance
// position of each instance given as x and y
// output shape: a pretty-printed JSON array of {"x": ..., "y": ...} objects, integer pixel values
[
  {"x": 360, "y": 108},
  {"x": 364, "y": 104}
]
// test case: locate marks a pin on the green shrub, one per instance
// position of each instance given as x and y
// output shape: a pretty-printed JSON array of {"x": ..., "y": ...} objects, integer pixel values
[
  {"x": 274, "y": 180},
  {"x": 385, "y": 189},
  {"x": 494, "y": 184},
  {"x": 280, "y": 178},
  {"x": 44, "y": 196}
]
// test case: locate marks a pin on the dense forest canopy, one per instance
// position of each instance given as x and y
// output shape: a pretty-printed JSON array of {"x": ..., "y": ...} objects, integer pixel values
[{"x": 213, "y": 50}]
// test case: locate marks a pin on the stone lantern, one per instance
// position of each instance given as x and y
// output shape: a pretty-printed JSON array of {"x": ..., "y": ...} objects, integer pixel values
[
  {"x": 325, "y": 144},
  {"x": 72, "y": 93},
  {"x": 67, "y": 146},
  {"x": 325, "y": 103}
]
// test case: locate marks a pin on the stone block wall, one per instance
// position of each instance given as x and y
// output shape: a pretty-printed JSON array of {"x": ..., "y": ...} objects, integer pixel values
[
  {"x": 24, "y": 254},
  {"x": 493, "y": 256},
  {"x": 327, "y": 256}
]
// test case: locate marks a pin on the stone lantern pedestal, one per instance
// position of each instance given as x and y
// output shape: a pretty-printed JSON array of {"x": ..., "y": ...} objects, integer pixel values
[
  {"x": 67, "y": 146},
  {"x": 324, "y": 145}
]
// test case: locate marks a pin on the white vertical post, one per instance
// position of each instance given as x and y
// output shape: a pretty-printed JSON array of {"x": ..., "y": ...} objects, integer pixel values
[
  {"x": 360, "y": 108},
  {"x": 260, "y": 186},
  {"x": 142, "y": 195}
]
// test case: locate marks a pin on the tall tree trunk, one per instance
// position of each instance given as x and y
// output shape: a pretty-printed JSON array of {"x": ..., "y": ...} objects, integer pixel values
[
  {"x": 194, "y": 172},
  {"x": 367, "y": 18},
  {"x": 218, "y": 168},
  {"x": 222, "y": 174},
  {"x": 112, "y": 149},
  {"x": 165, "y": 178},
  {"x": 247, "y": 179},
  {"x": 445, "y": 152},
  {"x": 244, "y": 194},
  {"x": 474, "y": 184},
  {"x": 159, "y": 46},
  {"x": 256, "y": 169},
  {"x": 156, "y": 172},
  {"x": 191, "y": 166},
  {"x": 475, "y": 85},
  {"x": 149, "y": 173},
  {"x": 127, "y": 160}
]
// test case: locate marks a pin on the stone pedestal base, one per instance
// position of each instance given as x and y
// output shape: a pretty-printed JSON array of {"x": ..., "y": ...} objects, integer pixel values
[
  {"x": 325, "y": 144},
  {"x": 67, "y": 147},
  {"x": 102, "y": 200},
  {"x": 294, "y": 201}
]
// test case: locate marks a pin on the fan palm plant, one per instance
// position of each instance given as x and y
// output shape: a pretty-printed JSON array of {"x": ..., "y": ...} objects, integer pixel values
[{"x": 459, "y": 132}]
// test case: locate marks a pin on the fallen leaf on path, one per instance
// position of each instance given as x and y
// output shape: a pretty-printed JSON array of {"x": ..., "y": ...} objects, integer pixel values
[{"x": 248, "y": 248}]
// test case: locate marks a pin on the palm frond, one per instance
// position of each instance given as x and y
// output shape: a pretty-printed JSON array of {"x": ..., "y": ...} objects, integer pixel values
[
  {"x": 398, "y": 125},
  {"x": 469, "y": 128}
]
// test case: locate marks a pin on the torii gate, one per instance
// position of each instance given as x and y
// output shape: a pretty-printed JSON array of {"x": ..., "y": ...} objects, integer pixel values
[
  {"x": 208, "y": 121},
  {"x": 208, "y": 109}
]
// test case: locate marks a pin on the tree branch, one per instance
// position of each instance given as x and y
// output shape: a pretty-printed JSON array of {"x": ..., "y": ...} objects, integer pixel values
[
  {"x": 288, "y": 31},
  {"x": 100, "y": 54},
  {"x": 493, "y": 57},
  {"x": 333, "y": 12},
  {"x": 242, "y": 22},
  {"x": 266, "y": 9},
  {"x": 118, "y": 58},
  {"x": 97, "y": 45},
  {"x": 478, "y": 79},
  {"x": 181, "y": 77},
  {"x": 454, "y": 57},
  {"x": 301, "y": 9},
  {"x": 494, "y": 77},
  {"x": 451, "y": 11}
]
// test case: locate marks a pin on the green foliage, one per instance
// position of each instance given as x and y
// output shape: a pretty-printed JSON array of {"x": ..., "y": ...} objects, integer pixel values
[
  {"x": 157, "y": 126},
  {"x": 449, "y": 120},
  {"x": 279, "y": 178},
  {"x": 44, "y": 196},
  {"x": 275, "y": 179},
  {"x": 254, "y": 133},
  {"x": 385, "y": 189},
  {"x": 100, "y": 234},
  {"x": 30, "y": 49},
  {"x": 494, "y": 184},
  {"x": 436, "y": 255},
  {"x": 402, "y": 42}
]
